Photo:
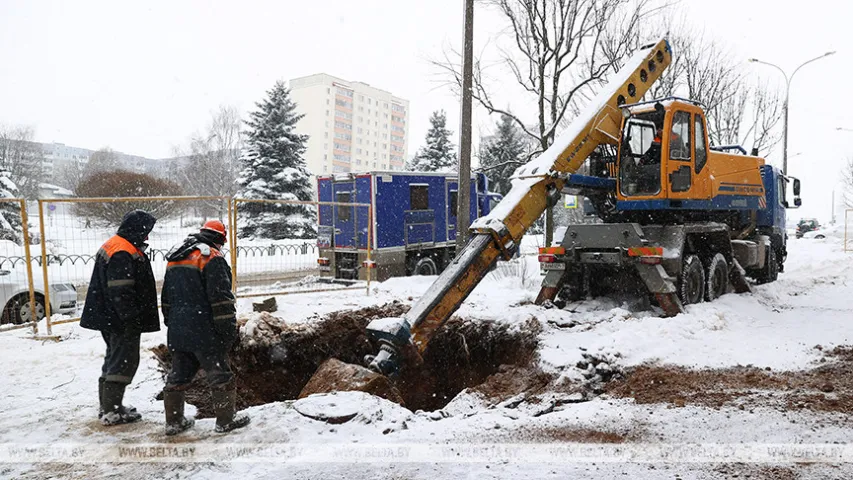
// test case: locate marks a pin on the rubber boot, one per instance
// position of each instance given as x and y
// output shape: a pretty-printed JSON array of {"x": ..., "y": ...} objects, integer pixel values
[
  {"x": 173, "y": 403},
  {"x": 127, "y": 408},
  {"x": 114, "y": 412},
  {"x": 225, "y": 406}
]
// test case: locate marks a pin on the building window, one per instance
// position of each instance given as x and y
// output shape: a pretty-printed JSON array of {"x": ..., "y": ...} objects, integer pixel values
[
  {"x": 358, "y": 151},
  {"x": 325, "y": 168},
  {"x": 328, "y": 90},
  {"x": 360, "y": 130},
  {"x": 325, "y": 156},
  {"x": 358, "y": 161},
  {"x": 328, "y": 102},
  {"x": 361, "y": 97},
  {"x": 386, "y": 116},
  {"x": 327, "y": 113},
  {"x": 326, "y": 134},
  {"x": 360, "y": 108},
  {"x": 386, "y": 104}
]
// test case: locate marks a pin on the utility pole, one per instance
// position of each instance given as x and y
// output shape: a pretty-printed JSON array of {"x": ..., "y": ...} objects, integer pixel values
[
  {"x": 785, "y": 106},
  {"x": 463, "y": 218}
]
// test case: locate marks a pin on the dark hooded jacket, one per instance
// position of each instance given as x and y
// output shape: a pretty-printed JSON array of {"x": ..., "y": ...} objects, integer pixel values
[
  {"x": 197, "y": 302},
  {"x": 122, "y": 293}
]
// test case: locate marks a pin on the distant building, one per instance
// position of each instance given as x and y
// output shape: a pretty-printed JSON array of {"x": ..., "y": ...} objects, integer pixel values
[
  {"x": 47, "y": 190},
  {"x": 352, "y": 126},
  {"x": 59, "y": 155}
]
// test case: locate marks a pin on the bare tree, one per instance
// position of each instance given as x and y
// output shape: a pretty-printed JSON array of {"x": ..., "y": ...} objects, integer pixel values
[
  {"x": 22, "y": 158},
  {"x": 122, "y": 183},
  {"x": 214, "y": 159},
  {"x": 556, "y": 50},
  {"x": 740, "y": 109}
]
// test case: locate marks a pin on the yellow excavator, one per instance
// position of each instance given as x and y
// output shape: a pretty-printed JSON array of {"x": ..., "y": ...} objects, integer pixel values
[{"x": 721, "y": 203}]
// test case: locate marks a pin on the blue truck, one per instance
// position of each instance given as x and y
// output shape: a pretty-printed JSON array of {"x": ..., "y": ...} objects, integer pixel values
[{"x": 414, "y": 224}]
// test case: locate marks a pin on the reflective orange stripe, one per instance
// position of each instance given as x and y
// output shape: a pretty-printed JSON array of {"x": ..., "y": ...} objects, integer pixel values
[
  {"x": 196, "y": 259},
  {"x": 645, "y": 251},
  {"x": 119, "y": 244},
  {"x": 552, "y": 250}
]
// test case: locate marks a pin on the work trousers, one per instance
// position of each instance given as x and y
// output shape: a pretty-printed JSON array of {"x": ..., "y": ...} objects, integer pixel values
[{"x": 122, "y": 357}]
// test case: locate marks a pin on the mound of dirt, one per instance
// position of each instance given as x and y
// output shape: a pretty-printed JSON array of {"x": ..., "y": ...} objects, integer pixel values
[
  {"x": 273, "y": 360},
  {"x": 826, "y": 388}
]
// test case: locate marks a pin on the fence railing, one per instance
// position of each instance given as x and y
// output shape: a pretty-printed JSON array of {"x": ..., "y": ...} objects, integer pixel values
[
  {"x": 264, "y": 260},
  {"x": 299, "y": 255}
]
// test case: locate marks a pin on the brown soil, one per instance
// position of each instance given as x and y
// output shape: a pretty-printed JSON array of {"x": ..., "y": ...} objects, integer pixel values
[
  {"x": 826, "y": 388},
  {"x": 279, "y": 364},
  {"x": 553, "y": 434}
]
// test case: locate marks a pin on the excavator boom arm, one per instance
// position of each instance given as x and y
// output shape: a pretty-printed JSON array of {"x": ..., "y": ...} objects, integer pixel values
[{"x": 535, "y": 187}]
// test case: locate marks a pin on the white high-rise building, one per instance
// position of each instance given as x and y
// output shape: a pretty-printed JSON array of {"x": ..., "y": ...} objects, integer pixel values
[{"x": 352, "y": 126}]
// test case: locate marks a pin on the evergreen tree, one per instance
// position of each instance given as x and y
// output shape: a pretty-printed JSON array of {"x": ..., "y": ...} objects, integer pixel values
[
  {"x": 503, "y": 155},
  {"x": 11, "y": 227},
  {"x": 273, "y": 168},
  {"x": 437, "y": 155}
]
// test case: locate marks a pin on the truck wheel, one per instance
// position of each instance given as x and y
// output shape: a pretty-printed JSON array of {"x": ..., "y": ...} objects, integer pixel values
[
  {"x": 425, "y": 266},
  {"x": 691, "y": 287},
  {"x": 770, "y": 272},
  {"x": 717, "y": 282}
]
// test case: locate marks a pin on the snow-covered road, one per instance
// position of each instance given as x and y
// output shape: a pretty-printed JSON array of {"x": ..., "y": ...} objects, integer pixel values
[{"x": 49, "y": 389}]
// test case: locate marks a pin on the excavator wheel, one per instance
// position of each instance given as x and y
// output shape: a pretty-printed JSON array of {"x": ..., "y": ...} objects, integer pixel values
[
  {"x": 717, "y": 278},
  {"x": 691, "y": 285}
]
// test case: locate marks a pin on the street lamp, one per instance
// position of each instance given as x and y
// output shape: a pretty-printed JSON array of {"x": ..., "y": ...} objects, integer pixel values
[{"x": 785, "y": 107}]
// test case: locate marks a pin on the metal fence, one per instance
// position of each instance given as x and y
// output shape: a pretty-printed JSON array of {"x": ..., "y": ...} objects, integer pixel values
[
  {"x": 51, "y": 281},
  {"x": 281, "y": 259}
]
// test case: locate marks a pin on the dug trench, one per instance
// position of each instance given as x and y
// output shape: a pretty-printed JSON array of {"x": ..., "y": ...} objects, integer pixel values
[{"x": 274, "y": 360}]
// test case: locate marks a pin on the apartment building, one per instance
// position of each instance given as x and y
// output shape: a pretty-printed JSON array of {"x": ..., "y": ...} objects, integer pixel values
[{"x": 352, "y": 126}]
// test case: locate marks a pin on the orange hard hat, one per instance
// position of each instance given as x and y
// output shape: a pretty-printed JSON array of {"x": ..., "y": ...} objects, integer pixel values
[{"x": 215, "y": 226}]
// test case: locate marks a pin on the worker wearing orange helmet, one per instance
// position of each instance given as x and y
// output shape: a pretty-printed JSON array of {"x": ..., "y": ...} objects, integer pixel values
[{"x": 199, "y": 312}]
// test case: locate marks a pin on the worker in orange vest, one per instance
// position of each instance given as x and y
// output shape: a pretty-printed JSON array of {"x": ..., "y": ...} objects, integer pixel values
[
  {"x": 122, "y": 304},
  {"x": 198, "y": 308}
]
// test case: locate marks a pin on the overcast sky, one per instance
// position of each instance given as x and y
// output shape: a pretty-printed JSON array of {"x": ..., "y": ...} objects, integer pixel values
[{"x": 141, "y": 76}]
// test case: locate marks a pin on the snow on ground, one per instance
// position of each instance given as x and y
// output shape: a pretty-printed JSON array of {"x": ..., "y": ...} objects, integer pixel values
[{"x": 50, "y": 387}]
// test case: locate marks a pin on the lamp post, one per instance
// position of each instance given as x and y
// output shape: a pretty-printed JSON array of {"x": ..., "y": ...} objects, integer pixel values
[{"x": 785, "y": 107}]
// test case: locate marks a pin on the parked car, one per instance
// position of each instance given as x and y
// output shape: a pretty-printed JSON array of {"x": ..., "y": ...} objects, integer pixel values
[
  {"x": 15, "y": 293},
  {"x": 806, "y": 225},
  {"x": 828, "y": 231}
]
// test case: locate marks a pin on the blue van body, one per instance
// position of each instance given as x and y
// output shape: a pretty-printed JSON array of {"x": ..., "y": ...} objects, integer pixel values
[{"x": 413, "y": 229}]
